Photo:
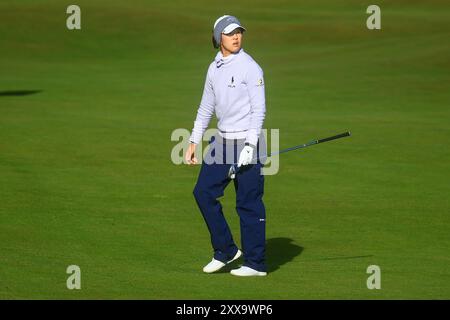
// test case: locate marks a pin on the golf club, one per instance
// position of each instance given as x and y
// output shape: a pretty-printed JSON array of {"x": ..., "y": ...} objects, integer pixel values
[{"x": 234, "y": 169}]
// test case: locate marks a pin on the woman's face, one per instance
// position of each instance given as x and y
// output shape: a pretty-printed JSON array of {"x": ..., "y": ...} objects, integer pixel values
[{"x": 231, "y": 42}]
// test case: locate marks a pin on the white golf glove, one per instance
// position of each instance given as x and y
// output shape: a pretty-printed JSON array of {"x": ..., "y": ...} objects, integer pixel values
[{"x": 246, "y": 156}]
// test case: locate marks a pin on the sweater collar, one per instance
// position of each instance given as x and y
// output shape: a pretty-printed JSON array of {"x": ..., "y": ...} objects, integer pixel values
[{"x": 221, "y": 60}]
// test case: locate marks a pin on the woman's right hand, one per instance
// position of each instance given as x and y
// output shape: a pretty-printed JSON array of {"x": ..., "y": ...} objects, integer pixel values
[{"x": 190, "y": 154}]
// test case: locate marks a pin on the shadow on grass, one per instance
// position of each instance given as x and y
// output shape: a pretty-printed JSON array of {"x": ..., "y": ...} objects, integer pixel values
[
  {"x": 279, "y": 251},
  {"x": 15, "y": 93},
  {"x": 340, "y": 258}
]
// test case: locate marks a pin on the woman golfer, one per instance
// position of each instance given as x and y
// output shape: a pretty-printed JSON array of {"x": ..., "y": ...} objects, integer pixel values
[{"x": 234, "y": 91}]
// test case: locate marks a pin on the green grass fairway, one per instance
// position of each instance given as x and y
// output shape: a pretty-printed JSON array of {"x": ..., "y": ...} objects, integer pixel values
[{"x": 86, "y": 176}]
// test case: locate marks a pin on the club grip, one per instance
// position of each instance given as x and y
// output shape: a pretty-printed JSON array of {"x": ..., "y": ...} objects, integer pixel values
[{"x": 342, "y": 135}]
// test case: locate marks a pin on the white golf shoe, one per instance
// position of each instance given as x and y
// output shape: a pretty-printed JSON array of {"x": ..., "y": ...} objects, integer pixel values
[
  {"x": 216, "y": 265},
  {"x": 247, "y": 272}
]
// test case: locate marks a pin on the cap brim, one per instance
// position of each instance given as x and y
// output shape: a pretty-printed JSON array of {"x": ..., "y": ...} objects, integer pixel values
[{"x": 230, "y": 28}]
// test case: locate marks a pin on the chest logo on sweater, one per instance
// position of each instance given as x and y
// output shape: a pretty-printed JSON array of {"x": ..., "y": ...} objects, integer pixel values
[{"x": 232, "y": 85}]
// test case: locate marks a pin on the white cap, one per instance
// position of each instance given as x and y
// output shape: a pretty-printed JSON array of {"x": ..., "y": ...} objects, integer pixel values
[
  {"x": 217, "y": 21},
  {"x": 231, "y": 27},
  {"x": 225, "y": 24}
]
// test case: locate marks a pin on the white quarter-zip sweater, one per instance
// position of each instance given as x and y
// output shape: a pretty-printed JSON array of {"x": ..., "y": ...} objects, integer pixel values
[{"x": 234, "y": 90}]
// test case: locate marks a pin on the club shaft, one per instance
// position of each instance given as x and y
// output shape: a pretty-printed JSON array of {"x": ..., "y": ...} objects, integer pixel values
[
  {"x": 234, "y": 169},
  {"x": 342, "y": 135},
  {"x": 311, "y": 143}
]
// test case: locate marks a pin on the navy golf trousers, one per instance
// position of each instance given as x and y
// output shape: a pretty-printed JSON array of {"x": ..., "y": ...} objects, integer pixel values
[{"x": 249, "y": 187}]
